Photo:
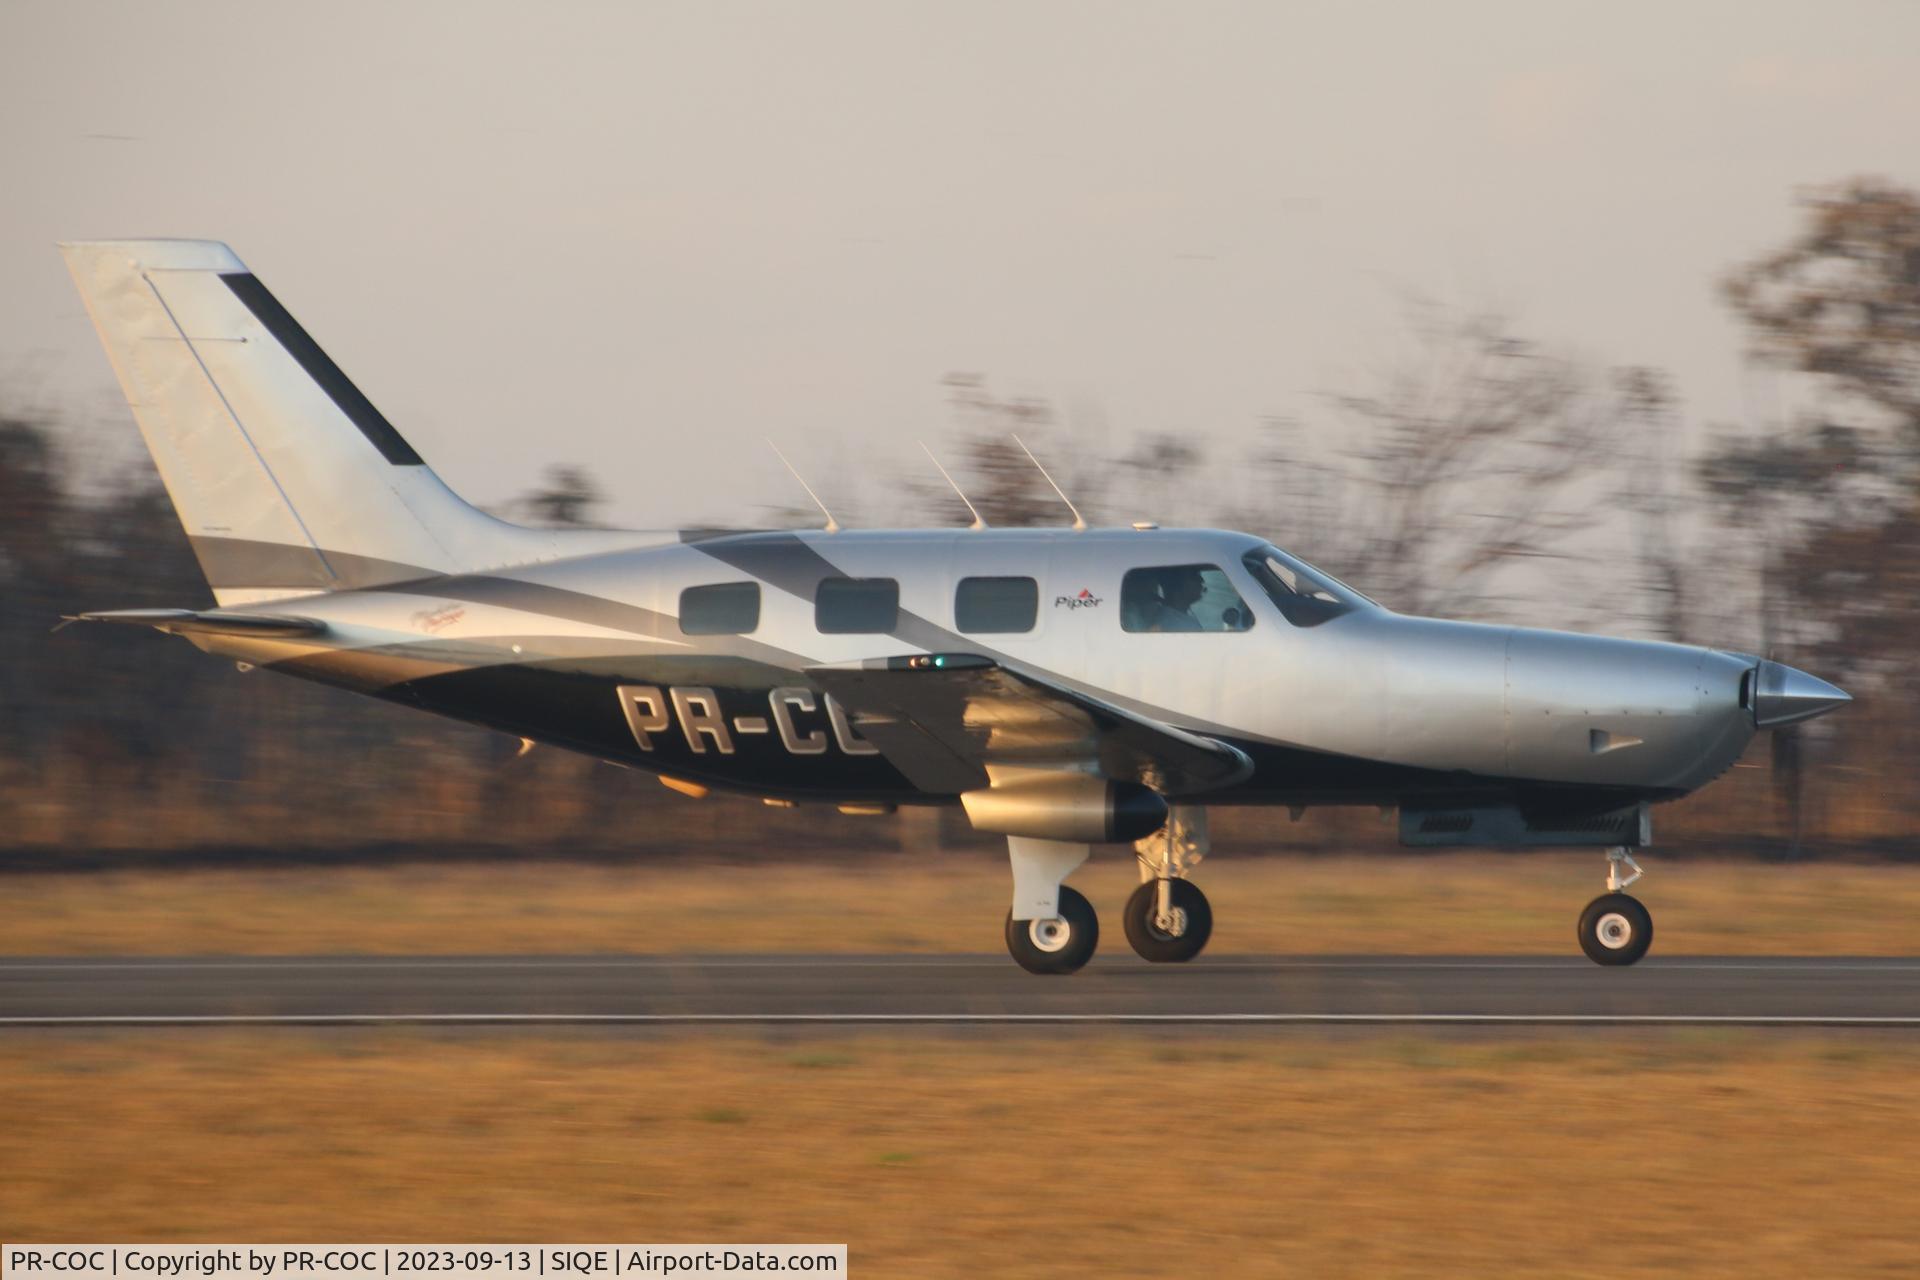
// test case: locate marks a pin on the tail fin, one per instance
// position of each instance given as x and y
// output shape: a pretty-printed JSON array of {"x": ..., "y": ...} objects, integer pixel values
[{"x": 287, "y": 479}]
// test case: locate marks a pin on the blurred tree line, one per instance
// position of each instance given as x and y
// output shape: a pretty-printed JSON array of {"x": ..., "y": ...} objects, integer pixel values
[{"x": 1475, "y": 473}]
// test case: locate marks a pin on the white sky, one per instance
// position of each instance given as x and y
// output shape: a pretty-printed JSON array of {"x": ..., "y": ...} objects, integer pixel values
[{"x": 642, "y": 236}]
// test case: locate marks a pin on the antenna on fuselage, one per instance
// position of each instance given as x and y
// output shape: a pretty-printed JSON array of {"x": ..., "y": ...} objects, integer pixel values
[
  {"x": 833, "y": 526},
  {"x": 1078, "y": 523},
  {"x": 978, "y": 521}
]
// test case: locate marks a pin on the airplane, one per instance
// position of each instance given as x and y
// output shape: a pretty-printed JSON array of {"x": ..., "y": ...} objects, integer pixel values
[{"x": 1066, "y": 687}]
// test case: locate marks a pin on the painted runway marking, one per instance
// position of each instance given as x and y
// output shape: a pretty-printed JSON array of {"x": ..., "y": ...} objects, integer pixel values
[
  {"x": 1040, "y": 1019},
  {"x": 1806, "y": 964}
]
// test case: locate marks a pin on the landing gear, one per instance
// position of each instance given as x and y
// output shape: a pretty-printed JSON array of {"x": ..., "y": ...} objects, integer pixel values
[
  {"x": 1616, "y": 929},
  {"x": 1053, "y": 929},
  {"x": 1050, "y": 928},
  {"x": 1168, "y": 921},
  {"x": 1059, "y": 944}
]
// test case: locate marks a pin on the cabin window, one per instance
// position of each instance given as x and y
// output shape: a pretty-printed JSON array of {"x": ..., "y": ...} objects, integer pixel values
[
  {"x": 856, "y": 606},
  {"x": 724, "y": 609},
  {"x": 987, "y": 605},
  {"x": 1181, "y": 597}
]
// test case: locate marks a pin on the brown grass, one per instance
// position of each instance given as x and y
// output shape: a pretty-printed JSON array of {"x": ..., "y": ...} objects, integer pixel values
[
  {"x": 1455, "y": 903},
  {"x": 939, "y": 1156}
]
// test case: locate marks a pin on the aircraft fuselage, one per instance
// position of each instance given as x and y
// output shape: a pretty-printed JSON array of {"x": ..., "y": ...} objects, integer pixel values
[{"x": 1366, "y": 707}]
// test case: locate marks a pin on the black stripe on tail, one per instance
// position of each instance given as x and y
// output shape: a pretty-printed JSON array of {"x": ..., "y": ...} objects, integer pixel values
[{"x": 267, "y": 310}]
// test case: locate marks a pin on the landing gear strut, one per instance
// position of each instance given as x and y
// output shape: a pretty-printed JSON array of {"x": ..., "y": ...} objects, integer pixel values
[
  {"x": 1616, "y": 929},
  {"x": 1168, "y": 919}
]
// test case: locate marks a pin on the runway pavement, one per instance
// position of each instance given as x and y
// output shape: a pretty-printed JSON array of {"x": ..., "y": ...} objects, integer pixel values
[{"x": 932, "y": 990}]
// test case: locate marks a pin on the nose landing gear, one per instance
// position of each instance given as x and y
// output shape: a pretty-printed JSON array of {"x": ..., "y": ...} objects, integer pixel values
[{"x": 1616, "y": 929}]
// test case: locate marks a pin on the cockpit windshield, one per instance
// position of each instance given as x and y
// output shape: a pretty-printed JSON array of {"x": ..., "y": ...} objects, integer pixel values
[{"x": 1305, "y": 596}]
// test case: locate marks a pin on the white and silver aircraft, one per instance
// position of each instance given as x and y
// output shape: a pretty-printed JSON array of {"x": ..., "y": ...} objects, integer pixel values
[{"x": 1067, "y": 687}]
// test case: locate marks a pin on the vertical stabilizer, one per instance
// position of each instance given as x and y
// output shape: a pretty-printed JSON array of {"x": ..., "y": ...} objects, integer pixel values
[{"x": 287, "y": 479}]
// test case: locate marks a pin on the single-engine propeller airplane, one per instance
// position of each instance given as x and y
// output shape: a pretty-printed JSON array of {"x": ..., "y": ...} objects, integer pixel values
[{"x": 1067, "y": 687}]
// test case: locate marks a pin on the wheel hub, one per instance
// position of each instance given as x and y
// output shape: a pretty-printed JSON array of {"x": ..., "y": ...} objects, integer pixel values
[
  {"x": 1171, "y": 925},
  {"x": 1050, "y": 936},
  {"x": 1614, "y": 930}
]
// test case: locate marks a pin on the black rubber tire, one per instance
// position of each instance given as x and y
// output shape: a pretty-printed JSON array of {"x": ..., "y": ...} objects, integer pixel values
[
  {"x": 1162, "y": 948},
  {"x": 1083, "y": 936},
  {"x": 1614, "y": 949}
]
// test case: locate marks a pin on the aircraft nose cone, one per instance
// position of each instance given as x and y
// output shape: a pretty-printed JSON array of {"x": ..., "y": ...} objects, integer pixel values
[{"x": 1783, "y": 696}]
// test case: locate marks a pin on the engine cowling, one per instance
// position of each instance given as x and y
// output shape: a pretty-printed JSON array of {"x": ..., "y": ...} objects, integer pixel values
[{"x": 1071, "y": 807}]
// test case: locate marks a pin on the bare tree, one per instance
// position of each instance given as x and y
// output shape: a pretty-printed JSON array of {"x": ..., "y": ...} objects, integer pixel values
[
  {"x": 1831, "y": 496},
  {"x": 1462, "y": 459},
  {"x": 567, "y": 498},
  {"x": 1160, "y": 471},
  {"x": 1657, "y": 495},
  {"x": 1842, "y": 300},
  {"x": 1002, "y": 482}
]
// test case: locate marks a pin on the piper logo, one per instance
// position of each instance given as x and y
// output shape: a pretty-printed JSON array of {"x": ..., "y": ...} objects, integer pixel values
[{"x": 1085, "y": 600}]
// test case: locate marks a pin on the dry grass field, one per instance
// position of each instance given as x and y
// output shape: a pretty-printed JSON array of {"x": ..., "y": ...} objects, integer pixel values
[
  {"x": 1274, "y": 1155},
  {"x": 1297, "y": 1153},
  {"x": 1458, "y": 903}
]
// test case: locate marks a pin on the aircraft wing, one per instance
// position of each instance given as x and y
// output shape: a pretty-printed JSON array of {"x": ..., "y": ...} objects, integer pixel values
[{"x": 941, "y": 719}]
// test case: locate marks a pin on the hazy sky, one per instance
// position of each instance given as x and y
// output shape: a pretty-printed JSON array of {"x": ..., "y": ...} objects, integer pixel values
[{"x": 642, "y": 236}]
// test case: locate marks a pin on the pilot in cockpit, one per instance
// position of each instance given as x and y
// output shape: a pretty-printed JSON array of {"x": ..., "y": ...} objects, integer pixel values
[{"x": 1180, "y": 590}]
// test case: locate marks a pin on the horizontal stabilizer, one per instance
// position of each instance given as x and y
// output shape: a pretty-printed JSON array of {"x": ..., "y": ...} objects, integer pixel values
[{"x": 213, "y": 622}]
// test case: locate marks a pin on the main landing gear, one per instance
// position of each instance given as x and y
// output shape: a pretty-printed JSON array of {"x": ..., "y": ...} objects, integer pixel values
[
  {"x": 1059, "y": 944},
  {"x": 1615, "y": 929},
  {"x": 1167, "y": 918},
  {"x": 1052, "y": 928}
]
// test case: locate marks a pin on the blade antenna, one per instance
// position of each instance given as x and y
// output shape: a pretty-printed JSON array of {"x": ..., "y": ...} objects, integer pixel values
[
  {"x": 978, "y": 522},
  {"x": 833, "y": 526},
  {"x": 1078, "y": 523}
]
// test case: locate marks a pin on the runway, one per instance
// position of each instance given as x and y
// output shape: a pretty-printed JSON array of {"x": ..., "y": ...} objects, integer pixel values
[{"x": 909, "y": 990}]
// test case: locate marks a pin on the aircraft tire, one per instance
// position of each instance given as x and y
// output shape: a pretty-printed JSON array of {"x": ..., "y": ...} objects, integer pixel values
[
  {"x": 1061, "y": 945},
  {"x": 1615, "y": 929},
  {"x": 1164, "y": 948}
]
